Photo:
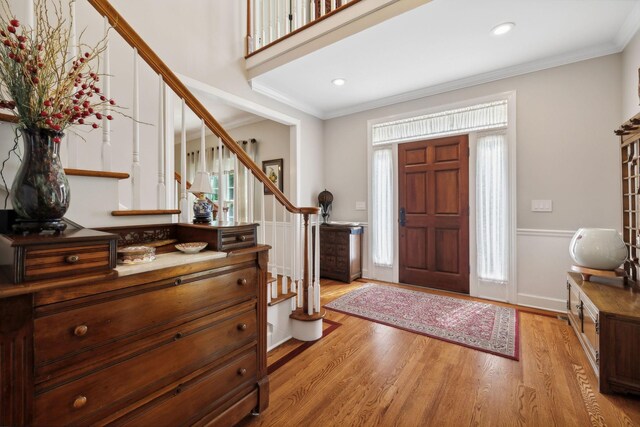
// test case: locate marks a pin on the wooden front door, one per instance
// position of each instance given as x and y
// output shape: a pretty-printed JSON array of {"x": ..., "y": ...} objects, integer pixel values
[{"x": 434, "y": 213}]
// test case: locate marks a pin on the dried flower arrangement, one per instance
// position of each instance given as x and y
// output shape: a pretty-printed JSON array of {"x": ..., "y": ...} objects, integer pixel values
[{"x": 40, "y": 82}]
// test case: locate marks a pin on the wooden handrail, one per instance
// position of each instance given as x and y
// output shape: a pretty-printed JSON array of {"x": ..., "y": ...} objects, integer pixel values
[
  {"x": 134, "y": 40},
  {"x": 178, "y": 179}
]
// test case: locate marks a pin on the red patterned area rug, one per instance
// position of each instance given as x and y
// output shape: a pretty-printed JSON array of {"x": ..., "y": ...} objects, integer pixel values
[{"x": 481, "y": 326}]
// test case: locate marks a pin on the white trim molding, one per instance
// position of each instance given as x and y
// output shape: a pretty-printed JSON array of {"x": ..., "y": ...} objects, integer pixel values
[{"x": 543, "y": 261}]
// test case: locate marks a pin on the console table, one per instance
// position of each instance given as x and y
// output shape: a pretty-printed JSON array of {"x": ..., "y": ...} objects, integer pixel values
[
  {"x": 178, "y": 341},
  {"x": 606, "y": 320}
]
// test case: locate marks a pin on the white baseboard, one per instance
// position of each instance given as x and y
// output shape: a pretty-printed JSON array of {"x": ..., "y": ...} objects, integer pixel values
[{"x": 544, "y": 303}]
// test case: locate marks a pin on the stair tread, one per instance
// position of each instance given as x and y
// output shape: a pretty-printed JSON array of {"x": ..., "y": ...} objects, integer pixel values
[
  {"x": 271, "y": 279},
  {"x": 300, "y": 314},
  {"x": 94, "y": 173},
  {"x": 281, "y": 298},
  {"x": 146, "y": 212}
]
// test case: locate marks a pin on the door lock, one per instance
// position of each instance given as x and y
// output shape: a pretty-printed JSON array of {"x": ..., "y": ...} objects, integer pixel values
[{"x": 403, "y": 217}]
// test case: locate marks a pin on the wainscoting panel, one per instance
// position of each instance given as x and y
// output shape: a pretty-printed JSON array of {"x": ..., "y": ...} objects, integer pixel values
[{"x": 543, "y": 261}]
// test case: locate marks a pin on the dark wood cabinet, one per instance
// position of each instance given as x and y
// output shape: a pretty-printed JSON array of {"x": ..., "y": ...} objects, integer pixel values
[
  {"x": 606, "y": 320},
  {"x": 341, "y": 252},
  {"x": 174, "y": 343}
]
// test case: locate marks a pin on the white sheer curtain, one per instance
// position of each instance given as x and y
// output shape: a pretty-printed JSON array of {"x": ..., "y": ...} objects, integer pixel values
[
  {"x": 492, "y": 217},
  {"x": 382, "y": 200}
]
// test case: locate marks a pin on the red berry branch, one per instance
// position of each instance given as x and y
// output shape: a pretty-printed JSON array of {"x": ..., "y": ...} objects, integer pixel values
[{"x": 39, "y": 83}]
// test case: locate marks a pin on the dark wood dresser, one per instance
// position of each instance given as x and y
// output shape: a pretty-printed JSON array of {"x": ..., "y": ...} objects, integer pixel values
[
  {"x": 183, "y": 343},
  {"x": 341, "y": 252},
  {"x": 606, "y": 320}
]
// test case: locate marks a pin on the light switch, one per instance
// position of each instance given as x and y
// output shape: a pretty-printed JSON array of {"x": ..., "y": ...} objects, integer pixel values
[
  {"x": 541, "y": 206},
  {"x": 361, "y": 206}
]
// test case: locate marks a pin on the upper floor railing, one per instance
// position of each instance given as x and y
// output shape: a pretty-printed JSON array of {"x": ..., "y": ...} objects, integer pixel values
[{"x": 270, "y": 21}]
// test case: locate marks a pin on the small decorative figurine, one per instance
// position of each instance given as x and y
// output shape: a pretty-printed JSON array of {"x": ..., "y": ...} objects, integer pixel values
[{"x": 325, "y": 199}]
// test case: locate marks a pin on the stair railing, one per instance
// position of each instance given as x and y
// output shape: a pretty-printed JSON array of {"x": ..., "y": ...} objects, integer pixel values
[{"x": 297, "y": 276}]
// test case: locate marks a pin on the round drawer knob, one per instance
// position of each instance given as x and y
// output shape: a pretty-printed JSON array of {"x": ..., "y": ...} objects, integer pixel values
[
  {"x": 242, "y": 327},
  {"x": 241, "y": 238},
  {"x": 72, "y": 259},
  {"x": 80, "y": 330},
  {"x": 177, "y": 282},
  {"x": 242, "y": 372},
  {"x": 177, "y": 336},
  {"x": 79, "y": 402},
  {"x": 242, "y": 282}
]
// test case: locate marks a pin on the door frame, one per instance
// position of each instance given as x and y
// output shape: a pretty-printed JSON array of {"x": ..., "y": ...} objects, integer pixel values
[{"x": 477, "y": 289}]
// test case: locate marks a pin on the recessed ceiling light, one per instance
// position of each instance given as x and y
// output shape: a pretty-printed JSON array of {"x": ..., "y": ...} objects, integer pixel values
[
  {"x": 501, "y": 29},
  {"x": 338, "y": 82}
]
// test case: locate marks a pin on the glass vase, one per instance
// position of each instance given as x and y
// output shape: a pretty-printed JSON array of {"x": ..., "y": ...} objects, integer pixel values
[{"x": 40, "y": 192}]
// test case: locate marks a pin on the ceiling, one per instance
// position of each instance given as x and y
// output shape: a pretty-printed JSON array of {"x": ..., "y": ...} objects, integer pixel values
[
  {"x": 227, "y": 115},
  {"x": 445, "y": 45}
]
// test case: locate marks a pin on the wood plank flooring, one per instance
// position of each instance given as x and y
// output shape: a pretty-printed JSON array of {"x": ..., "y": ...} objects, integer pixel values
[{"x": 367, "y": 374}]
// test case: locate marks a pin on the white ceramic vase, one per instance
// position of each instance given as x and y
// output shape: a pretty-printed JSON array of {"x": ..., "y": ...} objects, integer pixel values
[{"x": 598, "y": 248}]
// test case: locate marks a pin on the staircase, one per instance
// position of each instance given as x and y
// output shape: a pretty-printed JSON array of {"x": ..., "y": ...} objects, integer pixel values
[{"x": 149, "y": 192}]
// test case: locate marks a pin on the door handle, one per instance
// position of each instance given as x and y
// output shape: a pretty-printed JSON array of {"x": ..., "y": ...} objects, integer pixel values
[{"x": 403, "y": 217}]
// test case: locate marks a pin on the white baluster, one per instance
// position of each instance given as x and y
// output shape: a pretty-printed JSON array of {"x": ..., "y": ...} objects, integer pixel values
[
  {"x": 274, "y": 240},
  {"x": 333, "y": 5},
  {"x": 274, "y": 269},
  {"x": 316, "y": 286},
  {"x": 284, "y": 248},
  {"x": 307, "y": 253},
  {"x": 252, "y": 182},
  {"x": 221, "y": 184},
  {"x": 30, "y": 15},
  {"x": 106, "y": 82},
  {"x": 262, "y": 211},
  {"x": 304, "y": 13},
  {"x": 323, "y": 8},
  {"x": 292, "y": 249},
  {"x": 162, "y": 190},
  {"x": 184, "y": 205},
  {"x": 136, "y": 190},
  {"x": 257, "y": 24},
  {"x": 299, "y": 260},
  {"x": 236, "y": 210}
]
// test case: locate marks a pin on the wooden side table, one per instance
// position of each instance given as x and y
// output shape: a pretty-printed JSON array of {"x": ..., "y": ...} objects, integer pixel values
[{"x": 341, "y": 252}]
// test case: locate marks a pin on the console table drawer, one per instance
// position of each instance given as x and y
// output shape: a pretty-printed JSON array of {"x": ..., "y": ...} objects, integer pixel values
[
  {"x": 170, "y": 356},
  {"x": 191, "y": 396},
  {"x": 45, "y": 262},
  {"x": 81, "y": 328},
  {"x": 242, "y": 237}
]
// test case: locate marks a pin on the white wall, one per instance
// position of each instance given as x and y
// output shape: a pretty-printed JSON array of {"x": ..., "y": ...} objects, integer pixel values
[
  {"x": 566, "y": 152},
  {"x": 630, "y": 66},
  {"x": 566, "y": 149}
]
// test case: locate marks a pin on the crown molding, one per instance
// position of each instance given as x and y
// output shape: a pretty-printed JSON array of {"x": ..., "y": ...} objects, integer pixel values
[
  {"x": 517, "y": 70},
  {"x": 629, "y": 28},
  {"x": 547, "y": 63},
  {"x": 280, "y": 97}
]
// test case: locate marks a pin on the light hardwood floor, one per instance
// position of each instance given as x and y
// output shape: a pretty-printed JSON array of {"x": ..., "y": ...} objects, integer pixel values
[{"x": 367, "y": 374}]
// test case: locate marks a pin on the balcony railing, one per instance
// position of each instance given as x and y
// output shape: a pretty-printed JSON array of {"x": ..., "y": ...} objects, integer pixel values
[{"x": 270, "y": 21}]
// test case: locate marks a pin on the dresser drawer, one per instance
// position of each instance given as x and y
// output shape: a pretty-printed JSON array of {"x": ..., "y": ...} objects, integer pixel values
[
  {"x": 42, "y": 262},
  {"x": 171, "y": 355},
  {"x": 78, "y": 329},
  {"x": 189, "y": 401}
]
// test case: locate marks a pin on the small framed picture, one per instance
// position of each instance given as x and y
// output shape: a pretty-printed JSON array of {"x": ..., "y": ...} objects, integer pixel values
[{"x": 273, "y": 170}]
